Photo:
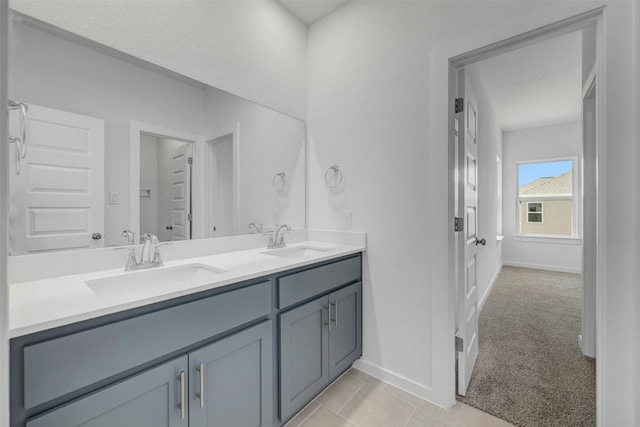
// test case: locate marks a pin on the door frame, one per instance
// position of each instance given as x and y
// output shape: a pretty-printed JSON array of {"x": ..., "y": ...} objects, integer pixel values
[
  {"x": 211, "y": 180},
  {"x": 197, "y": 175},
  {"x": 456, "y": 59}
]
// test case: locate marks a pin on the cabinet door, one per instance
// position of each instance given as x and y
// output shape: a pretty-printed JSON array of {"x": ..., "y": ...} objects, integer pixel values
[
  {"x": 150, "y": 399},
  {"x": 231, "y": 380},
  {"x": 304, "y": 353},
  {"x": 345, "y": 338}
]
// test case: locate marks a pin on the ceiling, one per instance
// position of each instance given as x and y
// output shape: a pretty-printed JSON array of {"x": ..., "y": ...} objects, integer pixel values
[
  {"x": 310, "y": 11},
  {"x": 537, "y": 85}
]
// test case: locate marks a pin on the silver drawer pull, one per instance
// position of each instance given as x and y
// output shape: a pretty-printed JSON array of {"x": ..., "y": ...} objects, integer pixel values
[
  {"x": 335, "y": 310},
  {"x": 181, "y": 404},
  {"x": 200, "y": 394},
  {"x": 328, "y": 322}
]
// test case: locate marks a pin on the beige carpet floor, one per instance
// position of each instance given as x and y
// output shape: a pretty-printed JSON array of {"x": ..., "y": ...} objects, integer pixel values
[{"x": 530, "y": 370}]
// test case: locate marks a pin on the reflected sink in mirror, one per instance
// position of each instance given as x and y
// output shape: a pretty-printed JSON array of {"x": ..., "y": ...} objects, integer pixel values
[
  {"x": 296, "y": 251},
  {"x": 183, "y": 275}
]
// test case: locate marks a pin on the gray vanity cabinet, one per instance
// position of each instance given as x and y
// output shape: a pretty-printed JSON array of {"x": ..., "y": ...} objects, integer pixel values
[
  {"x": 318, "y": 341},
  {"x": 231, "y": 381},
  {"x": 345, "y": 339},
  {"x": 149, "y": 399},
  {"x": 304, "y": 352}
]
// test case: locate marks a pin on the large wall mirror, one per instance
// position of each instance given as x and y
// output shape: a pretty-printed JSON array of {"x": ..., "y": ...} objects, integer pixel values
[{"x": 114, "y": 143}]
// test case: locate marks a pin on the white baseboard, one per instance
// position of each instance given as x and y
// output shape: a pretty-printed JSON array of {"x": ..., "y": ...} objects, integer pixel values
[
  {"x": 410, "y": 386},
  {"x": 484, "y": 297},
  {"x": 543, "y": 267}
]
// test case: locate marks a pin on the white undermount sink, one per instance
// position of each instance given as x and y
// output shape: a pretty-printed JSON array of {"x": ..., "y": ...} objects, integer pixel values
[
  {"x": 138, "y": 281},
  {"x": 296, "y": 251}
]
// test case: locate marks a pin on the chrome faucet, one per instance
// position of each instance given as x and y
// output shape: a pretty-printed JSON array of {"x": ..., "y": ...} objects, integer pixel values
[
  {"x": 277, "y": 239},
  {"x": 146, "y": 261}
]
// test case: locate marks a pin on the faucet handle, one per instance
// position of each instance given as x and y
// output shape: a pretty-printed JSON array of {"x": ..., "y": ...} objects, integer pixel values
[
  {"x": 132, "y": 261},
  {"x": 157, "y": 258}
]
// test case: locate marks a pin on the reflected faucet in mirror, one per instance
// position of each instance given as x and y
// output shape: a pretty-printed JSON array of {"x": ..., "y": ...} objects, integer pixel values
[
  {"x": 255, "y": 228},
  {"x": 130, "y": 236}
]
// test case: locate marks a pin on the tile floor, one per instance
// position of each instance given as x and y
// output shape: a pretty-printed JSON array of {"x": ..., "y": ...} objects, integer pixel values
[{"x": 360, "y": 400}]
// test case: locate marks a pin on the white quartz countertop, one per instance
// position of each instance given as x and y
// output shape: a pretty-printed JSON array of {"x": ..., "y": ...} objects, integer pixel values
[{"x": 48, "y": 303}]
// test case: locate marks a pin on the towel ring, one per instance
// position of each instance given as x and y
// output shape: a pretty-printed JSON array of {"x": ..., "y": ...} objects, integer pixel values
[
  {"x": 334, "y": 179},
  {"x": 279, "y": 181},
  {"x": 21, "y": 141}
]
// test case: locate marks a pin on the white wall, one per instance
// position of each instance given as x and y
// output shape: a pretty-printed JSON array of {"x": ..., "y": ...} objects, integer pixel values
[
  {"x": 543, "y": 143},
  {"x": 368, "y": 111},
  {"x": 254, "y": 49},
  {"x": 377, "y": 105},
  {"x": 637, "y": 206},
  {"x": 4, "y": 220},
  {"x": 489, "y": 147}
]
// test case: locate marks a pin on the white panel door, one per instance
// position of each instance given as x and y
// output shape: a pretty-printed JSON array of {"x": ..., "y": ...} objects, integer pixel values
[
  {"x": 181, "y": 193},
  {"x": 466, "y": 131},
  {"x": 57, "y": 201}
]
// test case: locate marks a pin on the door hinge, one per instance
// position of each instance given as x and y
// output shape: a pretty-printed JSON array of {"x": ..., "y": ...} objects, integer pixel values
[
  {"x": 459, "y": 105},
  {"x": 190, "y": 160},
  {"x": 458, "y": 224},
  {"x": 459, "y": 344},
  {"x": 189, "y": 217}
]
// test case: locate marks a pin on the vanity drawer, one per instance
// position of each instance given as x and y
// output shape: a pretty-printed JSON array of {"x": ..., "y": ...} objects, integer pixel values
[
  {"x": 300, "y": 286},
  {"x": 59, "y": 366}
]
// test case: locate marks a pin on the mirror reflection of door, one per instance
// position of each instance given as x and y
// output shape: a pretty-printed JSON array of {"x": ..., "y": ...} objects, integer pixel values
[
  {"x": 57, "y": 199},
  {"x": 165, "y": 188}
]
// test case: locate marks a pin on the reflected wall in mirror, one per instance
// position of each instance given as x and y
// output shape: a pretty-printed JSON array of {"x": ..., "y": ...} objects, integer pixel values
[{"x": 98, "y": 131}]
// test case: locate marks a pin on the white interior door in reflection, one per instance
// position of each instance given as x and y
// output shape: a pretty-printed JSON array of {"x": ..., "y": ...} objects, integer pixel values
[
  {"x": 57, "y": 200},
  {"x": 165, "y": 187}
]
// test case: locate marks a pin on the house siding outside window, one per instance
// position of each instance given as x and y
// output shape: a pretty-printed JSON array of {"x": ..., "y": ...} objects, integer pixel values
[{"x": 546, "y": 206}]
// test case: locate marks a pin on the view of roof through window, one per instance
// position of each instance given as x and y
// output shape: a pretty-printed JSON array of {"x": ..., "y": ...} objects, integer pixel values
[{"x": 546, "y": 179}]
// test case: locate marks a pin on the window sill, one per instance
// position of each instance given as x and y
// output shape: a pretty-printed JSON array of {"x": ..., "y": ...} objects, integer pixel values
[{"x": 562, "y": 240}]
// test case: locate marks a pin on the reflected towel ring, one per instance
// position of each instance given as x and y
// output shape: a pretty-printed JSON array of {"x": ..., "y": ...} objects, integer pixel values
[
  {"x": 21, "y": 141},
  {"x": 334, "y": 179},
  {"x": 279, "y": 181}
]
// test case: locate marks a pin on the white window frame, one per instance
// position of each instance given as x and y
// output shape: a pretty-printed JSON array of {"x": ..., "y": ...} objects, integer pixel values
[{"x": 575, "y": 191}]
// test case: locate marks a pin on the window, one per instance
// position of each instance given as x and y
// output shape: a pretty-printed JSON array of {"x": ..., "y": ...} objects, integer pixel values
[
  {"x": 546, "y": 203},
  {"x": 534, "y": 212}
]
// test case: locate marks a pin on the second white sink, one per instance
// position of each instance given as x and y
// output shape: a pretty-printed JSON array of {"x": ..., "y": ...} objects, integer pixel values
[
  {"x": 296, "y": 251},
  {"x": 138, "y": 281}
]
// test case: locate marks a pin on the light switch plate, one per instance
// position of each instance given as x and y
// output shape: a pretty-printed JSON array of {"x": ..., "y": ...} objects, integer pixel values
[
  {"x": 346, "y": 220},
  {"x": 114, "y": 198}
]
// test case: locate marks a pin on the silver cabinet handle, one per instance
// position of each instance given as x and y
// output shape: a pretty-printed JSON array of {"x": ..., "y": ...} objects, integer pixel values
[
  {"x": 328, "y": 322},
  {"x": 335, "y": 309},
  {"x": 200, "y": 395},
  {"x": 181, "y": 404}
]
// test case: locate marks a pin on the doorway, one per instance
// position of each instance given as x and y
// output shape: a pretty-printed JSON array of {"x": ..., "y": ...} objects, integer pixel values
[
  {"x": 166, "y": 174},
  {"x": 165, "y": 188},
  {"x": 222, "y": 190},
  {"x": 468, "y": 235}
]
